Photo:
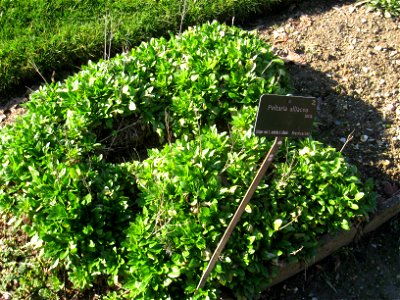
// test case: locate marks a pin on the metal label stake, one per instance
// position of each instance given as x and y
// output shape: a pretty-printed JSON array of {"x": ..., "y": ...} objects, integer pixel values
[{"x": 253, "y": 186}]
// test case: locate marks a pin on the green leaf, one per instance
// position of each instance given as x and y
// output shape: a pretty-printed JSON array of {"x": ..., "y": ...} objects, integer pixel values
[
  {"x": 345, "y": 224},
  {"x": 277, "y": 224},
  {"x": 132, "y": 106},
  {"x": 359, "y": 196},
  {"x": 167, "y": 282},
  {"x": 174, "y": 272},
  {"x": 87, "y": 199},
  {"x": 251, "y": 239},
  {"x": 248, "y": 209},
  {"x": 354, "y": 206}
]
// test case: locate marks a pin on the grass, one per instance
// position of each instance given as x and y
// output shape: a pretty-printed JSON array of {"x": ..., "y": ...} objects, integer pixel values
[
  {"x": 41, "y": 39},
  {"x": 44, "y": 40}
]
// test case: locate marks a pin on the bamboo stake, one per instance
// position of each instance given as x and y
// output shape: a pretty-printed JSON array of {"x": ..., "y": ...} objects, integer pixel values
[{"x": 246, "y": 199}]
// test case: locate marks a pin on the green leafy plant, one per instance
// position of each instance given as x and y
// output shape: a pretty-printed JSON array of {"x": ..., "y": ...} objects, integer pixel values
[
  {"x": 61, "y": 162},
  {"x": 191, "y": 189},
  {"x": 23, "y": 274},
  {"x": 129, "y": 171}
]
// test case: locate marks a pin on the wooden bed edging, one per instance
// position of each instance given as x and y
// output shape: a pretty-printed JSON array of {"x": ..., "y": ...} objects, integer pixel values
[{"x": 386, "y": 210}]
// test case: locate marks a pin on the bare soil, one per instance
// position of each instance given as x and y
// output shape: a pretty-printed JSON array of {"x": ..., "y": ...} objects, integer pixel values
[{"x": 349, "y": 58}]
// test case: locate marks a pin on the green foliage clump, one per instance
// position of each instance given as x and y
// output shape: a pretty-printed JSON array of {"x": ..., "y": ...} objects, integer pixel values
[
  {"x": 75, "y": 168},
  {"x": 53, "y": 38},
  {"x": 57, "y": 160},
  {"x": 391, "y": 6},
  {"x": 190, "y": 190}
]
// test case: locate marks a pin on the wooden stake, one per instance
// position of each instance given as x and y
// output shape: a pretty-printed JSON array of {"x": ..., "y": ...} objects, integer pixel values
[{"x": 246, "y": 199}]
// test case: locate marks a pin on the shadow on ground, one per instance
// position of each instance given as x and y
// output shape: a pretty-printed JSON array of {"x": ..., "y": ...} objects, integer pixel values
[{"x": 340, "y": 116}]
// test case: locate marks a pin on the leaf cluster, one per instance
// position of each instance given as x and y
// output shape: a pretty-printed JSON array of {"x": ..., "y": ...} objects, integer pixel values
[{"x": 190, "y": 190}]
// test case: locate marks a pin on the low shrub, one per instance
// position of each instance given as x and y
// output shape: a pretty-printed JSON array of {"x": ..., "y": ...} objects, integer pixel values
[
  {"x": 190, "y": 190},
  {"x": 75, "y": 168},
  {"x": 23, "y": 273},
  {"x": 58, "y": 160}
]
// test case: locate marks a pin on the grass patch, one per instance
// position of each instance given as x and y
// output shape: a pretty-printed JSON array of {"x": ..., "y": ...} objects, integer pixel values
[{"x": 55, "y": 37}]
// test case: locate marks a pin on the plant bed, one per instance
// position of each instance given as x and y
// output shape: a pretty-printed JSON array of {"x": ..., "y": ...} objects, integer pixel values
[{"x": 122, "y": 220}]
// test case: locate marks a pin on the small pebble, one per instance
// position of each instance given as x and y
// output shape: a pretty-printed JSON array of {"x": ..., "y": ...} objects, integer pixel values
[
  {"x": 364, "y": 138},
  {"x": 387, "y": 94},
  {"x": 390, "y": 107}
]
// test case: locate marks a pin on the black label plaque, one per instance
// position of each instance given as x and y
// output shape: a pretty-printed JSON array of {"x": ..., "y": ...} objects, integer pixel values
[{"x": 285, "y": 116}]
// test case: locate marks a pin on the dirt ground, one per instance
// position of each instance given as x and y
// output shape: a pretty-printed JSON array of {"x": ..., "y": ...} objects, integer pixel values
[{"x": 349, "y": 58}]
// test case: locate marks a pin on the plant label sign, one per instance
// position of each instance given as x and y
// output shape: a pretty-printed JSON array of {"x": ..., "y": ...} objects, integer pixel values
[{"x": 290, "y": 116}]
